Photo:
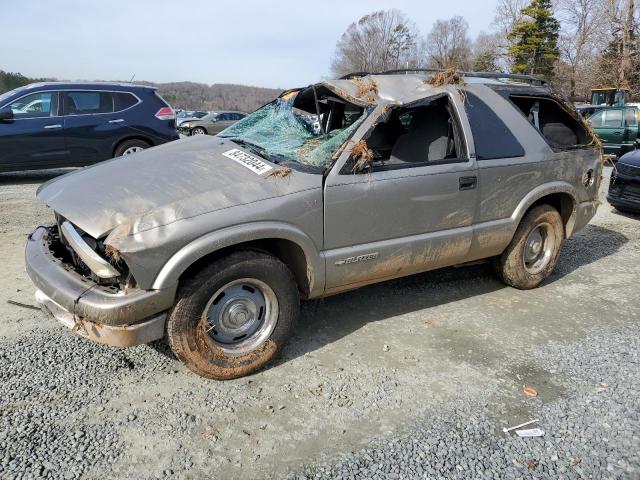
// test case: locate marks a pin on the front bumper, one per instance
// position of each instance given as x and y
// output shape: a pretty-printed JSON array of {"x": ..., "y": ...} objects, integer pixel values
[
  {"x": 102, "y": 314},
  {"x": 624, "y": 191}
]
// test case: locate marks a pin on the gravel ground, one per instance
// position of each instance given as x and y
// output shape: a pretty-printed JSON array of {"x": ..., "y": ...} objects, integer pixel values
[
  {"x": 413, "y": 378},
  {"x": 592, "y": 432}
]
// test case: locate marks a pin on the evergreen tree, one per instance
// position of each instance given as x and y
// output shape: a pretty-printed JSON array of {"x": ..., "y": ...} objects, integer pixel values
[{"x": 535, "y": 40}]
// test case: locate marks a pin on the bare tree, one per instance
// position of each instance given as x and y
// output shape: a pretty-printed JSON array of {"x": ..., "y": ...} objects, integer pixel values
[
  {"x": 380, "y": 41},
  {"x": 583, "y": 28},
  {"x": 507, "y": 14},
  {"x": 486, "y": 53},
  {"x": 628, "y": 31},
  {"x": 448, "y": 44},
  {"x": 618, "y": 63}
]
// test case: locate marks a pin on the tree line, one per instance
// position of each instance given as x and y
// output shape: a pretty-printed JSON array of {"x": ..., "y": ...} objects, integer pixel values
[
  {"x": 185, "y": 95},
  {"x": 575, "y": 44}
]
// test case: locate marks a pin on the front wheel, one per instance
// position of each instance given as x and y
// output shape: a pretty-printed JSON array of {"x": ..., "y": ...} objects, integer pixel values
[
  {"x": 534, "y": 250},
  {"x": 198, "y": 131},
  {"x": 234, "y": 315}
]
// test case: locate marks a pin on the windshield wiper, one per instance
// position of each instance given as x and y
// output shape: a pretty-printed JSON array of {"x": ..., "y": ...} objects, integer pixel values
[{"x": 257, "y": 149}]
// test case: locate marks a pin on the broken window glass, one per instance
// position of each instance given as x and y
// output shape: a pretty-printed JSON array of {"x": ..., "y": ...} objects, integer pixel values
[
  {"x": 281, "y": 131},
  {"x": 561, "y": 130},
  {"x": 415, "y": 136}
]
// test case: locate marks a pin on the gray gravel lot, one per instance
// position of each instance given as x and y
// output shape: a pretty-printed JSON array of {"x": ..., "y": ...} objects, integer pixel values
[{"x": 413, "y": 378}]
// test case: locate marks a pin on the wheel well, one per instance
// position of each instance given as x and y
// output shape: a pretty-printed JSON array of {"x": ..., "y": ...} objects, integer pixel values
[
  {"x": 134, "y": 137},
  {"x": 200, "y": 127},
  {"x": 562, "y": 202},
  {"x": 286, "y": 251}
]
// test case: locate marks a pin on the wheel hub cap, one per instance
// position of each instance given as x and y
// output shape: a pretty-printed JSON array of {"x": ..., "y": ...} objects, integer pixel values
[
  {"x": 131, "y": 150},
  {"x": 538, "y": 248},
  {"x": 241, "y": 315}
]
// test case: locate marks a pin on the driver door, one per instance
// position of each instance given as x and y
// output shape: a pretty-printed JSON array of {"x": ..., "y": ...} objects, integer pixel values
[
  {"x": 412, "y": 210},
  {"x": 34, "y": 137}
]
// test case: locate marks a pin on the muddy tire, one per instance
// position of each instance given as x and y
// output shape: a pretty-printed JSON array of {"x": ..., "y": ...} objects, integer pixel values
[
  {"x": 534, "y": 250},
  {"x": 130, "y": 146},
  {"x": 234, "y": 315}
]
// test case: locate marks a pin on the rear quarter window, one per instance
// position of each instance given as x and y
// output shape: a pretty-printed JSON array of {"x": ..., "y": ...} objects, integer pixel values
[
  {"x": 561, "y": 129},
  {"x": 123, "y": 100},
  {"x": 491, "y": 136}
]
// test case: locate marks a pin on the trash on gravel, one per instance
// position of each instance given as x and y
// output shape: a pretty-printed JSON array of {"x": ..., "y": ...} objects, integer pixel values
[
  {"x": 529, "y": 392},
  {"x": 532, "y": 432},
  {"x": 601, "y": 387},
  {"x": 23, "y": 305},
  {"x": 507, "y": 430}
]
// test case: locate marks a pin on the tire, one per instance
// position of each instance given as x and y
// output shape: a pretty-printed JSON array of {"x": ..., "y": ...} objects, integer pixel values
[
  {"x": 130, "y": 146},
  {"x": 198, "y": 131},
  {"x": 203, "y": 323},
  {"x": 534, "y": 250}
]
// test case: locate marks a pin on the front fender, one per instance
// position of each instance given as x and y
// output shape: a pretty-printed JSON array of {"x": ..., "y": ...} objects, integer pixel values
[{"x": 227, "y": 237}]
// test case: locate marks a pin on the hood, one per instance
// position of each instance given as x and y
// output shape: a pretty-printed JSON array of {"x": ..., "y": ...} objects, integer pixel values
[
  {"x": 164, "y": 184},
  {"x": 631, "y": 158}
]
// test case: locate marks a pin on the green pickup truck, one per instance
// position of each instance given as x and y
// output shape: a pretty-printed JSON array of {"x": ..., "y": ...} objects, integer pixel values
[{"x": 617, "y": 127}]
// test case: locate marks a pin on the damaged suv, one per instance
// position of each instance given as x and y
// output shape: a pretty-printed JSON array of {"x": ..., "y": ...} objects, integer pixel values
[{"x": 211, "y": 242}]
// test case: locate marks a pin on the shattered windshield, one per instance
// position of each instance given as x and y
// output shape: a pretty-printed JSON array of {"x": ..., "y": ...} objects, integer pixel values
[{"x": 282, "y": 131}]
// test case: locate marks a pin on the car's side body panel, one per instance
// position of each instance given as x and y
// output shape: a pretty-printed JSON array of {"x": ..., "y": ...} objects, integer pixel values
[{"x": 509, "y": 186}]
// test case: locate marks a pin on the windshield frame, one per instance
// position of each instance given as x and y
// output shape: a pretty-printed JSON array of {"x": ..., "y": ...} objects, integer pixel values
[{"x": 293, "y": 161}]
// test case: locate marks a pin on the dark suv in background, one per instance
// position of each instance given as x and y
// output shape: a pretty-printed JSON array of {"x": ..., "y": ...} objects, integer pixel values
[{"x": 51, "y": 125}]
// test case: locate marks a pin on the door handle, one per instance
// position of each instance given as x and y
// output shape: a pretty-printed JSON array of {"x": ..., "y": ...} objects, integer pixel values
[
  {"x": 468, "y": 183},
  {"x": 617, "y": 134},
  {"x": 51, "y": 127},
  {"x": 118, "y": 120}
]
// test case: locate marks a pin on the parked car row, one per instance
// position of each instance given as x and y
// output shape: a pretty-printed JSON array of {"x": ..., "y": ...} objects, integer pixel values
[{"x": 52, "y": 125}]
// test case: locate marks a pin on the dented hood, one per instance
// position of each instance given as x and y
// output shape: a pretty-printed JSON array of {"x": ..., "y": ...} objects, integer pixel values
[{"x": 178, "y": 180}]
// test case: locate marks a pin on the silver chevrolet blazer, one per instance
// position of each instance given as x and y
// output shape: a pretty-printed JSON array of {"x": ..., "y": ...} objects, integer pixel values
[{"x": 211, "y": 242}]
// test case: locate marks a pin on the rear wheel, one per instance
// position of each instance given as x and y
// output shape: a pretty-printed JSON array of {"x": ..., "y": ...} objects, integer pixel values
[
  {"x": 534, "y": 250},
  {"x": 198, "y": 131},
  {"x": 129, "y": 147},
  {"x": 234, "y": 315}
]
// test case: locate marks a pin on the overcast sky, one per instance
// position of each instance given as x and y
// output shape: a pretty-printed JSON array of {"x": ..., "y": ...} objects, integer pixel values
[{"x": 265, "y": 43}]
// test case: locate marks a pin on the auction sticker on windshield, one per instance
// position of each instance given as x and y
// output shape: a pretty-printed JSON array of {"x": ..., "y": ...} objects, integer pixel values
[{"x": 252, "y": 163}]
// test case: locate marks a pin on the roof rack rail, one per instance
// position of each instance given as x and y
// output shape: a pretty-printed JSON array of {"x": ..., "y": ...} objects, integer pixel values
[
  {"x": 495, "y": 75},
  {"x": 354, "y": 75}
]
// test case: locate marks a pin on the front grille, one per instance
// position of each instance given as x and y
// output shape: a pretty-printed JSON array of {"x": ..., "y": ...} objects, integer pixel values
[
  {"x": 626, "y": 169},
  {"x": 630, "y": 194}
]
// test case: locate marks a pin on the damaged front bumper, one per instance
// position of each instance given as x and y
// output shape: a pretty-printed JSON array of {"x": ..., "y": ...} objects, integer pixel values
[{"x": 103, "y": 314}]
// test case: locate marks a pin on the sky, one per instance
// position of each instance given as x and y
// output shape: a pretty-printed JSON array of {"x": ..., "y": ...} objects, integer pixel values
[{"x": 275, "y": 44}]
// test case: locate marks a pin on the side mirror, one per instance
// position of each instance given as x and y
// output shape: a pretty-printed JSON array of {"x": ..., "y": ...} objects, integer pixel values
[{"x": 6, "y": 114}]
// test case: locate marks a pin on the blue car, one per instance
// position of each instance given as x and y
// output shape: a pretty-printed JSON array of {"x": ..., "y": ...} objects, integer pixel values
[
  {"x": 52, "y": 125},
  {"x": 624, "y": 188}
]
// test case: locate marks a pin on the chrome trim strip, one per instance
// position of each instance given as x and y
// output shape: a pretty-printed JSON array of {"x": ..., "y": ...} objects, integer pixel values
[{"x": 95, "y": 262}]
